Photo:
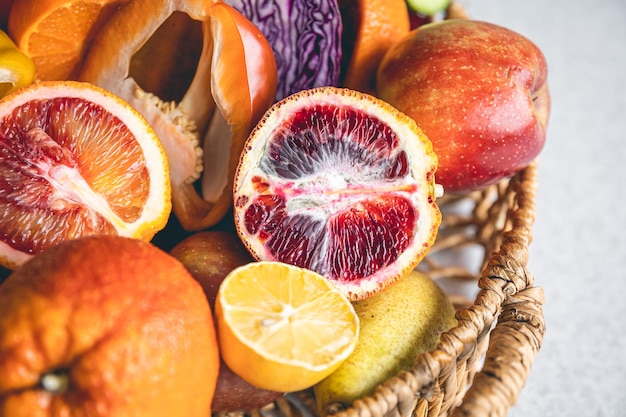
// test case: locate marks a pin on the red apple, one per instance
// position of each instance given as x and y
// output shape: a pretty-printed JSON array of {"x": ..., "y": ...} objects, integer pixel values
[
  {"x": 209, "y": 256},
  {"x": 479, "y": 92}
]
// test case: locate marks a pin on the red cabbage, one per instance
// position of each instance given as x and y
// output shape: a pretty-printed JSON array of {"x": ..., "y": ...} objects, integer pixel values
[{"x": 305, "y": 36}]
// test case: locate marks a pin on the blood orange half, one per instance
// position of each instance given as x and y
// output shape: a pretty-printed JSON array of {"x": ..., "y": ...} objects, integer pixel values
[
  {"x": 341, "y": 183},
  {"x": 76, "y": 160}
]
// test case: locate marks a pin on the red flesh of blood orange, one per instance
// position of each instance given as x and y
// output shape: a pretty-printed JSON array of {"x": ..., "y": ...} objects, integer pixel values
[
  {"x": 75, "y": 161},
  {"x": 341, "y": 183}
]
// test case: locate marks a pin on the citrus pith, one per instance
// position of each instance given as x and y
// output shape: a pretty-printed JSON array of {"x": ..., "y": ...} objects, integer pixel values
[
  {"x": 339, "y": 182},
  {"x": 224, "y": 76}
]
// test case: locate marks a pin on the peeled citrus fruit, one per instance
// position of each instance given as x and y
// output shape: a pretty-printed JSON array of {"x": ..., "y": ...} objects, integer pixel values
[
  {"x": 105, "y": 326},
  {"x": 202, "y": 75},
  {"x": 281, "y": 327},
  {"x": 341, "y": 183},
  {"x": 76, "y": 160},
  {"x": 56, "y": 34},
  {"x": 370, "y": 28}
]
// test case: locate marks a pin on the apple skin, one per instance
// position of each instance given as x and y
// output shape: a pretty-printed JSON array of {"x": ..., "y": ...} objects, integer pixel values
[
  {"x": 478, "y": 91},
  {"x": 209, "y": 256}
]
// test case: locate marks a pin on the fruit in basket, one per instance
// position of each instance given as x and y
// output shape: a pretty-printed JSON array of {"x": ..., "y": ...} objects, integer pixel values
[
  {"x": 234, "y": 394},
  {"x": 480, "y": 93},
  {"x": 105, "y": 326},
  {"x": 281, "y": 327},
  {"x": 76, "y": 160},
  {"x": 210, "y": 256},
  {"x": 428, "y": 7},
  {"x": 305, "y": 37},
  {"x": 370, "y": 27},
  {"x": 339, "y": 182},
  {"x": 56, "y": 34},
  {"x": 202, "y": 75},
  {"x": 396, "y": 325},
  {"x": 16, "y": 69}
]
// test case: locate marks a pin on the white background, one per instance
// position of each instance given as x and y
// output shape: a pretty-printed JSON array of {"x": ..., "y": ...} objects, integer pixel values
[{"x": 579, "y": 250}]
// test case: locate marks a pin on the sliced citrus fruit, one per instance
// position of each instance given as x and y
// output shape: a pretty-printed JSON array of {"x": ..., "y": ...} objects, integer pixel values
[
  {"x": 91, "y": 328},
  {"x": 370, "y": 28},
  {"x": 76, "y": 160},
  {"x": 56, "y": 34},
  {"x": 202, "y": 75},
  {"x": 339, "y": 182},
  {"x": 281, "y": 327}
]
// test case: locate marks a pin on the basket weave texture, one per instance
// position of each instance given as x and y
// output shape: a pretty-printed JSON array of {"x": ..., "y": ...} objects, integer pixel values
[{"x": 481, "y": 365}]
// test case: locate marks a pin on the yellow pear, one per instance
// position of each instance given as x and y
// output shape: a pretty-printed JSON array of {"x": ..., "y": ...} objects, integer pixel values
[{"x": 396, "y": 325}]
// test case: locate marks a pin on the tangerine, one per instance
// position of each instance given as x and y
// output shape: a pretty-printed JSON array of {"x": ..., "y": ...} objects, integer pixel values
[
  {"x": 105, "y": 326},
  {"x": 370, "y": 28}
]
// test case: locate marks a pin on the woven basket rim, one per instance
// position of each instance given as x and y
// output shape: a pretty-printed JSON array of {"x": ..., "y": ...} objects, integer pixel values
[
  {"x": 481, "y": 365},
  {"x": 506, "y": 314}
]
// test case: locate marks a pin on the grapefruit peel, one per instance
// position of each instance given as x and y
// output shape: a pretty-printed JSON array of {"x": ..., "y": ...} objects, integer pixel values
[{"x": 203, "y": 134}]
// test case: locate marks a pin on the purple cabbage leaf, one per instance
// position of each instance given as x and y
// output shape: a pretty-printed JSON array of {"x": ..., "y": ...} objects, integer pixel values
[{"x": 305, "y": 36}]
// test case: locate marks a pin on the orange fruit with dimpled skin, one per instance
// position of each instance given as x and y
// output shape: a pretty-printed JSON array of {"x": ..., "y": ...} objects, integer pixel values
[
  {"x": 342, "y": 183},
  {"x": 105, "y": 326},
  {"x": 76, "y": 160}
]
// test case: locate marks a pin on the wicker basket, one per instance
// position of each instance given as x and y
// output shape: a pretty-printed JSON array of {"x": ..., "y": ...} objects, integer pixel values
[{"x": 481, "y": 365}]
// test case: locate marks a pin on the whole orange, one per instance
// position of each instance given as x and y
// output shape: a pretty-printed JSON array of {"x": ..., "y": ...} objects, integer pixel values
[{"x": 105, "y": 326}]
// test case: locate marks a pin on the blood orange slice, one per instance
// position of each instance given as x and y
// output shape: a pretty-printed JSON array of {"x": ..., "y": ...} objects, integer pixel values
[
  {"x": 339, "y": 182},
  {"x": 75, "y": 160}
]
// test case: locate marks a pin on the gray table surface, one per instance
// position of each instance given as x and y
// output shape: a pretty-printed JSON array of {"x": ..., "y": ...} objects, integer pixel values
[{"x": 579, "y": 249}]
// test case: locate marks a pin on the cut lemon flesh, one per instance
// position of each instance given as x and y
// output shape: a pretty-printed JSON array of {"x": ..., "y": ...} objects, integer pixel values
[{"x": 281, "y": 327}]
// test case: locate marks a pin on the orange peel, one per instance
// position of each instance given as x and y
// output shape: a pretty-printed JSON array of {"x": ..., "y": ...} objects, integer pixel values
[{"x": 232, "y": 83}]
